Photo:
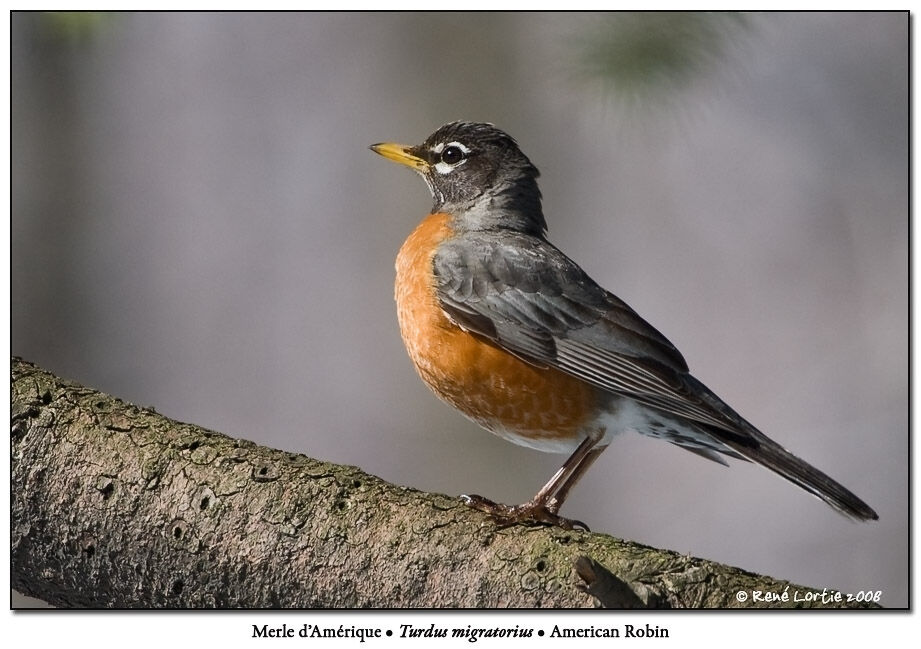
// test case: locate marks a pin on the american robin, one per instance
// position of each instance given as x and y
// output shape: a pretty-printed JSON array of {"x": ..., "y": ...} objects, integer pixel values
[{"x": 507, "y": 329}]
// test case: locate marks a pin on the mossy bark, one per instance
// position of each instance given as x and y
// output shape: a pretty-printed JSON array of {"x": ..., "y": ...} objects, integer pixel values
[{"x": 114, "y": 505}]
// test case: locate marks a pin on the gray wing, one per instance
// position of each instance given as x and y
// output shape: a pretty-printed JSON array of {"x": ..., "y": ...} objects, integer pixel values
[{"x": 526, "y": 296}]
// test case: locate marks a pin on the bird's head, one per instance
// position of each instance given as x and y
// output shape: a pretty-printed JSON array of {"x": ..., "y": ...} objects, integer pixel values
[{"x": 476, "y": 173}]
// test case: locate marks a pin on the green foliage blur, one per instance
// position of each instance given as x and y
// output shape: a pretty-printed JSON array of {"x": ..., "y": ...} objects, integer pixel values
[{"x": 638, "y": 54}]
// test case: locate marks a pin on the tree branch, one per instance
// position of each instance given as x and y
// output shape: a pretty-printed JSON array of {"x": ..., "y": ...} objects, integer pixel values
[{"x": 116, "y": 506}]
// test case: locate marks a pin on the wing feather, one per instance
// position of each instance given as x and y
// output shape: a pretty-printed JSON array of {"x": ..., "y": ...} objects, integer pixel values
[{"x": 529, "y": 298}]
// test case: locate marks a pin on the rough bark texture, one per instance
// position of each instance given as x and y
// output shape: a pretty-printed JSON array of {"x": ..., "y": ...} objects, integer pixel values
[{"x": 114, "y": 505}]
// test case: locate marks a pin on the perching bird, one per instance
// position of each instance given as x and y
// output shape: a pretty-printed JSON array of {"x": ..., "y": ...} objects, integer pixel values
[{"x": 507, "y": 329}]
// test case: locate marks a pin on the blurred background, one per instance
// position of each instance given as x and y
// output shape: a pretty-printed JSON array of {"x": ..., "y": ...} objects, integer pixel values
[{"x": 198, "y": 225}]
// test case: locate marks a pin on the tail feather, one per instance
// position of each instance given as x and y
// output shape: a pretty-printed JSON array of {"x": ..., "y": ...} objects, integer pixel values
[{"x": 759, "y": 448}]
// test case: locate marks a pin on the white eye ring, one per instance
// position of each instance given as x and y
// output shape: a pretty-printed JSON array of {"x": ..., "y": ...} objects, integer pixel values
[{"x": 443, "y": 167}]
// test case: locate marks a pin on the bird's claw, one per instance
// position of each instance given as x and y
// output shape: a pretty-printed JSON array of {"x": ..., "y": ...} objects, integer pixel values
[{"x": 529, "y": 513}]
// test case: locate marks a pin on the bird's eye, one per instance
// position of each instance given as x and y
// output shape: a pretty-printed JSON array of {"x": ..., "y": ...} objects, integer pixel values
[{"x": 452, "y": 155}]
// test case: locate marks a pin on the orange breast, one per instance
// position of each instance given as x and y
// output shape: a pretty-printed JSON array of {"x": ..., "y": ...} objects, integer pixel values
[{"x": 542, "y": 408}]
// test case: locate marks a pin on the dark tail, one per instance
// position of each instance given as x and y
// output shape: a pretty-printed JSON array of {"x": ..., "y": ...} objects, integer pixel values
[{"x": 757, "y": 447}]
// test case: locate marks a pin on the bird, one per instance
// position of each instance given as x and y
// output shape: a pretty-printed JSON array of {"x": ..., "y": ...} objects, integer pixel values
[{"x": 507, "y": 329}]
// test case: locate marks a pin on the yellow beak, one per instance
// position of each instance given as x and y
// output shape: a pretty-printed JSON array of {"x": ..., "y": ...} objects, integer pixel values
[{"x": 399, "y": 153}]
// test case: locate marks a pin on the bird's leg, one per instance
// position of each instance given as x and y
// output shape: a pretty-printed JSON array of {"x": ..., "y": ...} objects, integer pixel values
[
  {"x": 545, "y": 504},
  {"x": 554, "y": 503}
]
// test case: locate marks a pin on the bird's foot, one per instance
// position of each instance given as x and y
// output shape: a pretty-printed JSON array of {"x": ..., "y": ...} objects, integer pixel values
[{"x": 529, "y": 513}]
